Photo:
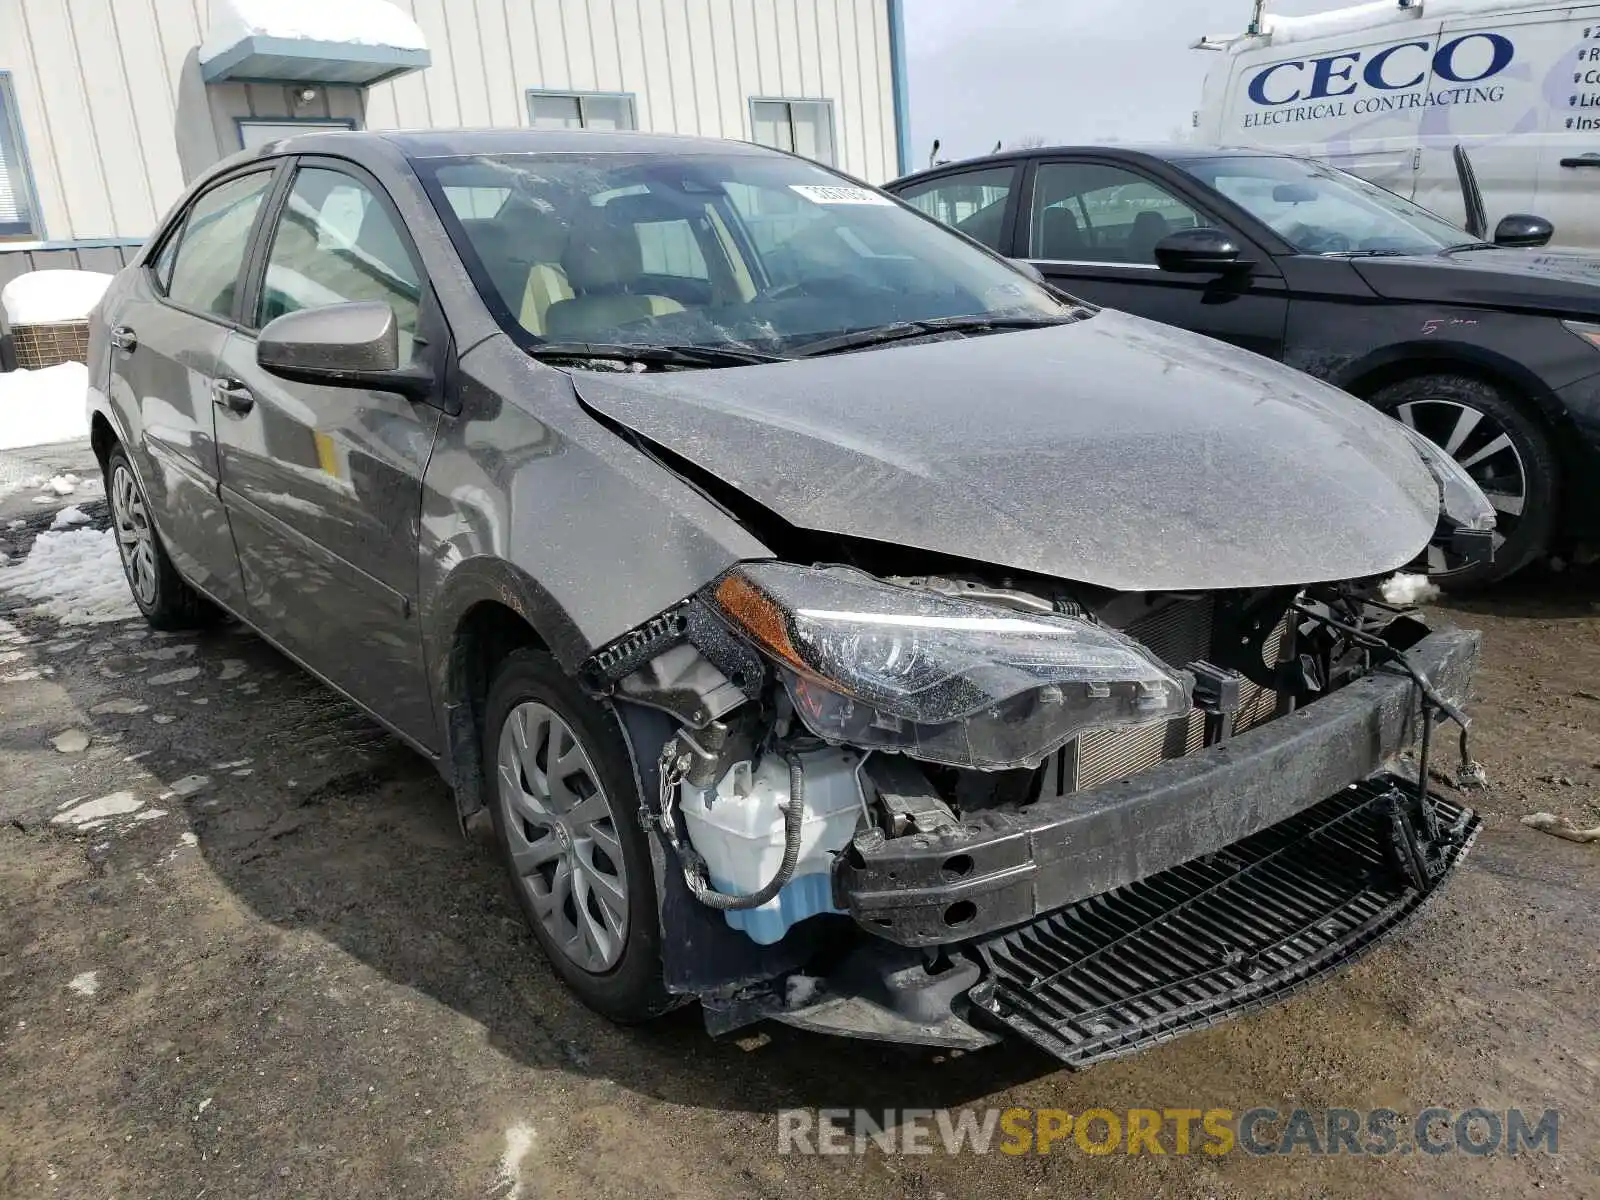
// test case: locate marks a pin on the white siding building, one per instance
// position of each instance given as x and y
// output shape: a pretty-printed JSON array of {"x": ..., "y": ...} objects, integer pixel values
[{"x": 109, "y": 107}]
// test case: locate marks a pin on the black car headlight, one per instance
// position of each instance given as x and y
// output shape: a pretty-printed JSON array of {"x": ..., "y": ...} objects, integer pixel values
[
  {"x": 950, "y": 681},
  {"x": 1460, "y": 497}
]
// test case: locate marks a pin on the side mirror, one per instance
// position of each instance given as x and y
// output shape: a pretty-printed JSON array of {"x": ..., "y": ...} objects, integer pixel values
[
  {"x": 1028, "y": 269},
  {"x": 343, "y": 345},
  {"x": 1199, "y": 252},
  {"x": 1520, "y": 229}
]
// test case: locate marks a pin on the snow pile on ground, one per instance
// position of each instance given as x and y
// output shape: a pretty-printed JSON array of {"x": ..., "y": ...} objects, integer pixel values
[
  {"x": 74, "y": 576},
  {"x": 40, "y": 407},
  {"x": 70, "y": 518},
  {"x": 51, "y": 297},
  {"x": 353, "y": 22}
]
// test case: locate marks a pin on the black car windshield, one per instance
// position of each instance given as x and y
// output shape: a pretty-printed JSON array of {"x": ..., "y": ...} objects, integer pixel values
[
  {"x": 1321, "y": 210},
  {"x": 751, "y": 251}
]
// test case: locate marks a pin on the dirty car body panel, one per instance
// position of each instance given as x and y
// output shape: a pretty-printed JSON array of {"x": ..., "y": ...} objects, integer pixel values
[{"x": 1022, "y": 604}]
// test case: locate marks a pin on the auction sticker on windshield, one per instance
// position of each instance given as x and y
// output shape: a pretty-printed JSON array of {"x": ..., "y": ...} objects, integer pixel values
[{"x": 826, "y": 194}]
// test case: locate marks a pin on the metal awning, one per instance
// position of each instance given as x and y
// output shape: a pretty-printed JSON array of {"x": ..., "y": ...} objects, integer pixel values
[
  {"x": 293, "y": 60},
  {"x": 358, "y": 42}
]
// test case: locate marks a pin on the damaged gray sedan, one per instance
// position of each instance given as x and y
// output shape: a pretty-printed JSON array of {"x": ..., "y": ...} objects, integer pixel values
[{"x": 838, "y": 625}]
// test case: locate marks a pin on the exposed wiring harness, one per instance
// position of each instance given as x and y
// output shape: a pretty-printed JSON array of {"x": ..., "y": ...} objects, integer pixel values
[
  {"x": 1433, "y": 704},
  {"x": 675, "y": 760}
]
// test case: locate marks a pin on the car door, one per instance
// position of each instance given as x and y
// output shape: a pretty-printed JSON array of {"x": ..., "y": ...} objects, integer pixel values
[
  {"x": 981, "y": 203},
  {"x": 1092, "y": 226},
  {"x": 323, "y": 485},
  {"x": 167, "y": 339}
]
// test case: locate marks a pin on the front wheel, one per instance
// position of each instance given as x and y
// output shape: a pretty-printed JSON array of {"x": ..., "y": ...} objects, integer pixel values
[
  {"x": 566, "y": 817},
  {"x": 1505, "y": 450}
]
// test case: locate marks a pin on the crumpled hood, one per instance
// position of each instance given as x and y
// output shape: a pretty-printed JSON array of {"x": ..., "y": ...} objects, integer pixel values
[
  {"x": 1113, "y": 451},
  {"x": 1557, "y": 281}
]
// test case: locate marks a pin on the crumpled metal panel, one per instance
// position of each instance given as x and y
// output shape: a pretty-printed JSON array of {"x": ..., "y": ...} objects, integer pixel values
[{"x": 1113, "y": 451}]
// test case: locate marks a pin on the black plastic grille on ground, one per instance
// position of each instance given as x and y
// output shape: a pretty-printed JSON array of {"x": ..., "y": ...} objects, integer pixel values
[{"x": 1211, "y": 939}]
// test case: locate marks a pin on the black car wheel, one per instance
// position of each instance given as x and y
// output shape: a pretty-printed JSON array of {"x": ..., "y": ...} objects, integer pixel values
[
  {"x": 566, "y": 817},
  {"x": 166, "y": 601},
  {"x": 1507, "y": 452}
]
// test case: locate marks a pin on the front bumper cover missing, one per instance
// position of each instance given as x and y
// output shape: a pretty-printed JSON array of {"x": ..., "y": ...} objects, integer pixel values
[{"x": 1002, "y": 869}]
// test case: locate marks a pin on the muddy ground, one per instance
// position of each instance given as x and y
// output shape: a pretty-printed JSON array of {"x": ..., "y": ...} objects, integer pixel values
[{"x": 299, "y": 980}]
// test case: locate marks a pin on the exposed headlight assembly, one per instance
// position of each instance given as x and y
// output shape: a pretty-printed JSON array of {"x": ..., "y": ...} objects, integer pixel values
[
  {"x": 945, "y": 680},
  {"x": 1460, "y": 497}
]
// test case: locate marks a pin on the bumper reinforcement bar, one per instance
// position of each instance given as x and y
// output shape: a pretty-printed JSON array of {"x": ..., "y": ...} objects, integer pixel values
[
  {"x": 999, "y": 869},
  {"x": 1224, "y": 935}
]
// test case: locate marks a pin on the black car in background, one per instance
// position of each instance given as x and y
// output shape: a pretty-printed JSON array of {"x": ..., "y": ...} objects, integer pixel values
[{"x": 1492, "y": 350}]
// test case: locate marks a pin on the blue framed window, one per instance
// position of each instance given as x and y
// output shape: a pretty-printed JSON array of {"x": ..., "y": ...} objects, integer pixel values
[
  {"x": 18, "y": 208},
  {"x": 581, "y": 110}
]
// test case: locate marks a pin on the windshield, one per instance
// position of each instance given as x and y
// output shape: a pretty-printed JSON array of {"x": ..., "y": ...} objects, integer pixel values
[
  {"x": 751, "y": 251},
  {"x": 1320, "y": 210}
]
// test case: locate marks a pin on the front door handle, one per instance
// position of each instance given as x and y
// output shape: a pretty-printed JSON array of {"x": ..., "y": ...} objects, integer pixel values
[
  {"x": 232, "y": 395},
  {"x": 1588, "y": 160},
  {"x": 124, "y": 338}
]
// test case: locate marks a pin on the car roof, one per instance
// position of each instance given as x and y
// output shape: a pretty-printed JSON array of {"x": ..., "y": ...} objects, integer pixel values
[
  {"x": 449, "y": 143},
  {"x": 1136, "y": 151}
]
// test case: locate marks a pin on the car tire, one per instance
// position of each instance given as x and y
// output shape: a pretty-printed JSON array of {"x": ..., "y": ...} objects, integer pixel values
[
  {"x": 1503, "y": 447},
  {"x": 165, "y": 599},
  {"x": 570, "y": 842}
]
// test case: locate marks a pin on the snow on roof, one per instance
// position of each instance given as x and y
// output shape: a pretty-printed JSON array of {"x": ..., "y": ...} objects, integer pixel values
[
  {"x": 1359, "y": 17},
  {"x": 51, "y": 297},
  {"x": 347, "y": 22}
]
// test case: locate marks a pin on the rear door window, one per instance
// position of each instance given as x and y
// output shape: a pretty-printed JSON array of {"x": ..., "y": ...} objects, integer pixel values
[
  {"x": 973, "y": 202},
  {"x": 203, "y": 273}
]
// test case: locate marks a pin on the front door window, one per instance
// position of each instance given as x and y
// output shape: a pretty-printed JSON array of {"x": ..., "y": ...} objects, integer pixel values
[{"x": 1097, "y": 213}]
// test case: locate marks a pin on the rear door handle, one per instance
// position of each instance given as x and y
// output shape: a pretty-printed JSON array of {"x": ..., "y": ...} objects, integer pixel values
[
  {"x": 232, "y": 395},
  {"x": 1588, "y": 160},
  {"x": 124, "y": 338}
]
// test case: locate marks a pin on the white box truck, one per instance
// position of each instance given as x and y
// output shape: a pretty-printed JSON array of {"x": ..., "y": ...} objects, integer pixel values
[{"x": 1423, "y": 97}]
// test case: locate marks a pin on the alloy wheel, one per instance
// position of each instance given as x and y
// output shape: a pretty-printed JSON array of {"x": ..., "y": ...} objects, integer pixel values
[
  {"x": 135, "y": 539},
  {"x": 1485, "y": 450},
  {"x": 563, "y": 837}
]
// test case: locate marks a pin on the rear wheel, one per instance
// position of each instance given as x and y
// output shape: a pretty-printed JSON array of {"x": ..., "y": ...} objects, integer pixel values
[
  {"x": 1504, "y": 449},
  {"x": 166, "y": 601},
  {"x": 565, "y": 809}
]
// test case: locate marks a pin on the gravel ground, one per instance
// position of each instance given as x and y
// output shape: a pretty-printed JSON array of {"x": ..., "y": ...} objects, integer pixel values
[{"x": 280, "y": 970}]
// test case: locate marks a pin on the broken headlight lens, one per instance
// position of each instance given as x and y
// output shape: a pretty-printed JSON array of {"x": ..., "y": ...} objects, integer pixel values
[
  {"x": 1460, "y": 497},
  {"x": 949, "y": 681}
]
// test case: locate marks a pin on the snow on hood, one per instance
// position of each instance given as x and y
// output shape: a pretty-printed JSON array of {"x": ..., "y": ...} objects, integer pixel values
[
  {"x": 51, "y": 297},
  {"x": 351, "y": 22},
  {"x": 1113, "y": 451}
]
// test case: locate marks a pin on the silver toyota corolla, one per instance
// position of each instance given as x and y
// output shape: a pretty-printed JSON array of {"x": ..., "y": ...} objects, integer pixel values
[{"x": 839, "y": 625}]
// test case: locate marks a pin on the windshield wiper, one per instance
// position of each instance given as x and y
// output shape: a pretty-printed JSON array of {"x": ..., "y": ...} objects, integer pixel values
[
  {"x": 900, "y": 331},
  {"x": 654, "y": 356},
  {"x": 1465, "y": 246}
]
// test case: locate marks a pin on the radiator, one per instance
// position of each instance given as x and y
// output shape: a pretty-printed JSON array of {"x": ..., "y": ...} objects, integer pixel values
[{"x": 1179, "y": 634}]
